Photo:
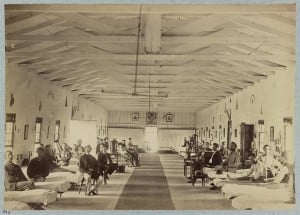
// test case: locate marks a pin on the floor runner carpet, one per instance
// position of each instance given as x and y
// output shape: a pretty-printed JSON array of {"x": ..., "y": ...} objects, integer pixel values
[{"x": 147, "y": 188}]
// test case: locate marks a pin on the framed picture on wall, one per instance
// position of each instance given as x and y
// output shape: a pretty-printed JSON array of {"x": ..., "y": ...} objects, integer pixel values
[
  {"x": 151, "y": 118},
  {"x": 48, "y": 130},
  {"x": 272, "y": 133},
  {"x": 26, "y": 132},
  {"x": 169, "y": 117},
  {"x": 135, "y": 116},
  {"x": 235, "y": 132}
]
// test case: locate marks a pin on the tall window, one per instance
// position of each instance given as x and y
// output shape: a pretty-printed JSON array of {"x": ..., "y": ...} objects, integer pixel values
[
  {"x": 261, "y": 133},
  {"x": 56, "y": 134},
  {"x": 38, "y": 128},
  {"x": 9, "y": 129}
]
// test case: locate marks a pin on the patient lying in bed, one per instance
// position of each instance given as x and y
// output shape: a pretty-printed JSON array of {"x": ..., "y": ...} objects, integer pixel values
[
  {"x": 256, "y": 174},
  {"x": 257, "y": 197}
]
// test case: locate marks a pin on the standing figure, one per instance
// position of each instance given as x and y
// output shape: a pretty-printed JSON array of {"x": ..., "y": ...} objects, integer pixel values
[
  {"x": 99, "y": 143},
  {"x": 79, "y": 149}
]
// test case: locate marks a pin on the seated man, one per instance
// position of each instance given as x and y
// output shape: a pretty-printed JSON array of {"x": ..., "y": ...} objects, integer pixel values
[
  {"x": 265, "y": 192},
  {"x": 15, "y": 179},
  {"x": 224, "y": 150},
  {"x": 271, "y": 165},
  {"x": 89, "y": 170},
  {"x": 282, "y": 173},
  {"x": 38, "y": 168},
  {"x": 233, "y": 160},
  {"x": 50, "y": 157},
  {"x": 65, "y": 155},
  {"x": 216, "y": 158},
  {"x": 105, "y": 163},
  {"x": 255, "y": 174},
  {"x": 122, "y": 151},
  {"x": 207, "y": 147}
]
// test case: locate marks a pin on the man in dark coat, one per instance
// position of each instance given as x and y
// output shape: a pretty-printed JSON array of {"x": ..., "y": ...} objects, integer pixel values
[
  {"x": 89, "y": 169},
  {"x": 216, "y": 158},
  {"x": 15, "y": 179},
  {"x": 50, "y": 157},
  {"x": 38, "y": 168},
  {"x": 105, "y": 163},
  {"x": 99, "y": 143}
]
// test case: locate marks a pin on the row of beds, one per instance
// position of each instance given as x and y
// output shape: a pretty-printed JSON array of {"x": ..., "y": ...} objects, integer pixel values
[
  {"x": 44, "y": 193},
  {"x": 245, "y": 195}
]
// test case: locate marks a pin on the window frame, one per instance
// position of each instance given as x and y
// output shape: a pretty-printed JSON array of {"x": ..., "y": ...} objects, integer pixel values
[
  {"x": 10, "y": 120},
  {"x": 39, "y": 121},
  {"x": 56, "y": 131}
]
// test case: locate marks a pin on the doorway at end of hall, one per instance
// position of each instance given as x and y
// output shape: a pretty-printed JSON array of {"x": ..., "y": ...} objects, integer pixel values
[{"x": 151, "y": 142}]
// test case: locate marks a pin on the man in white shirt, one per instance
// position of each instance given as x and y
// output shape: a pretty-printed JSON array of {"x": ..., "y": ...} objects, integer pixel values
[{"x": 270, "y": 164}]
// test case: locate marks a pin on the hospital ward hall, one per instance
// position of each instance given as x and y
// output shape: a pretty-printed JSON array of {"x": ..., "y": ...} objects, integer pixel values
[{"x": 149, "y": 107}]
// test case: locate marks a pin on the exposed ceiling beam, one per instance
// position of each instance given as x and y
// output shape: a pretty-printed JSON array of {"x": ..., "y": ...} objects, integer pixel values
[
  {"x": 195, "y": 69},
  {"x": 21, "y": 17},
  {"x": 112, "y": 58},
  {"x": 73, "y": 37},
  {"x": 72, "y": 53},
  {"x": 163, "y": 9}
]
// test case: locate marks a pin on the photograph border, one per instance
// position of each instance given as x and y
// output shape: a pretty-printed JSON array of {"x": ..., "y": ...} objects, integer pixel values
[{"x": 296, "y": 119}]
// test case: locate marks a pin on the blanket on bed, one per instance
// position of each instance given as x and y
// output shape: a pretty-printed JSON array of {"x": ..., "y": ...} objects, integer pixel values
[{"x": 40, "y": 196}]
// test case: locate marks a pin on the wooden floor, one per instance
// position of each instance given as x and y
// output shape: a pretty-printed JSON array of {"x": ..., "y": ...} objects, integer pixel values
[
  {"x": 186, "y": 197},
  {"x": 157, "y": 184}
]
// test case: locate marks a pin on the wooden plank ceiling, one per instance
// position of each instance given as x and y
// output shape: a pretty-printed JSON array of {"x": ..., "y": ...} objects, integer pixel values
[{"x": 192, "y": 55}]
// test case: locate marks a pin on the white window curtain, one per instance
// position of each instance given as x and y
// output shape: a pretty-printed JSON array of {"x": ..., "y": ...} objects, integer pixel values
[{"x": 173, "y": 138}]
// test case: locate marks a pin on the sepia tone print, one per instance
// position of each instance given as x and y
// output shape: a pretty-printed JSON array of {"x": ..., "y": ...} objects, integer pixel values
[{"x": 150, "y": 107}]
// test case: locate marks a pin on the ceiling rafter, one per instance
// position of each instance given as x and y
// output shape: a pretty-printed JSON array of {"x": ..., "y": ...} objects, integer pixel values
[{"x": 197, "y": 56}]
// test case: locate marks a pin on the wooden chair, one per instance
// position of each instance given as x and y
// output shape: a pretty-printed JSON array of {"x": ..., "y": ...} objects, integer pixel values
[
  {"x": 198, "y": 173},
  {"x": 83, "y": 183}
]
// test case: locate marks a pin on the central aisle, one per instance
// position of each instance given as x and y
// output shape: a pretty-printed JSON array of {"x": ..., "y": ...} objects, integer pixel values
[{"x": 147, "y": 188}]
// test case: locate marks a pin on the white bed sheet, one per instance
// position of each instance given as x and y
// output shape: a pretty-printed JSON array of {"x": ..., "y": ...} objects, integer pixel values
[
  {"x": 58, "y": 186},
  {"x": 16, "y": 205},
  {"x": 248, "y": 202},
  {"x": 40, "y": 196}
]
